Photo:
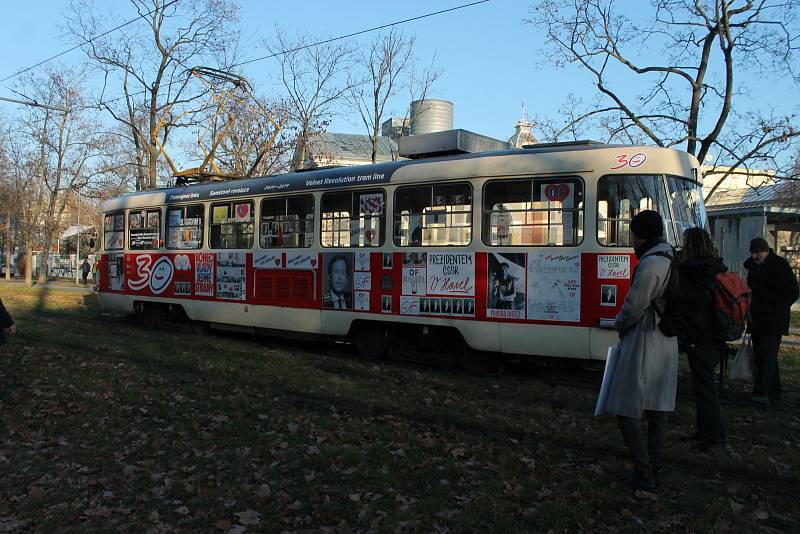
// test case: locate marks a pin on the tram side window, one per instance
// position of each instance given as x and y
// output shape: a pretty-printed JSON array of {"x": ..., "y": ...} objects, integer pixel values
[
  {"x": 621, "y": 197},
  {"x": 433, "y": 215},
  {"x": 353, "y": 219},
  {"x": 545, "y": 212},
  {"x": 185, "y": 227},
  {"x": 287, "y": 222},
  {"x": 232, "y": 225},
  {"x": 114, "y": 231},
  {"x": 144, "y": 229}
]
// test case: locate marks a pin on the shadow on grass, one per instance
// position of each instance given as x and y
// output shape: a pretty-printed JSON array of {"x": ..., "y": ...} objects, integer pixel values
[
  {"x": 560, "y": 445},
  {"x": 41, "y": 304}
]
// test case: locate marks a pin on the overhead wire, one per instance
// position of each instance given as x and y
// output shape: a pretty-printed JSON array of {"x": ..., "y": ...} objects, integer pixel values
[
  {"x": 247, "y": 62},
  {"x": 339, "y": 38},
  {"x": 112, "y": 30},
  {"x": 311, "y": 45}
]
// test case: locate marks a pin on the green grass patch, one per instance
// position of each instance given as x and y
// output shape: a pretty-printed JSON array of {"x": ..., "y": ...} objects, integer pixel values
[{"x": 106, "y": 427}]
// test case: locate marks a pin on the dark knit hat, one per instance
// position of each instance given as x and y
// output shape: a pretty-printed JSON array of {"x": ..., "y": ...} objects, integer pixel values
[
  {"x": 759, "y": 244},
  {"x": 647, "y": 224}
]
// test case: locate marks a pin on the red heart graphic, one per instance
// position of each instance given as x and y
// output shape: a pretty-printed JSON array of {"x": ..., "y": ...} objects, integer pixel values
[
  {"x": 556, "y": 192},
  {"x": 242, "y": 210},
  {"x": 277, "y": 261}
]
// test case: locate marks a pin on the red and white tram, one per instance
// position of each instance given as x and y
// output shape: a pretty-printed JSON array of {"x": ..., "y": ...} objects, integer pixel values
[{"x": 522, "y": 252}]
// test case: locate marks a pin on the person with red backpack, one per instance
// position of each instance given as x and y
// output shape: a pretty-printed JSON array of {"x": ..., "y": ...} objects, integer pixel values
[
  {"x": 774, "y": 291},
  {"x": 699, "y": 266}
]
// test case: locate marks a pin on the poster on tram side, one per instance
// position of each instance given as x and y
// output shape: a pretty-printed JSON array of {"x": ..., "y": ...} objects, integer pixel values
[
  {"x": 554, "y": 287},
  {"x": 451, "y": 274},
  {"x": 231, "y": 279},
  {"x": 204, "y": 274},
  {"x": 505, "y": 291}
]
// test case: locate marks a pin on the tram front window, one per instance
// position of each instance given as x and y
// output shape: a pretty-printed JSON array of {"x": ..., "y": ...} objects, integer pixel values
[
  {"x": 621, "y": 197},
  {"x": 687, "y": 204}
]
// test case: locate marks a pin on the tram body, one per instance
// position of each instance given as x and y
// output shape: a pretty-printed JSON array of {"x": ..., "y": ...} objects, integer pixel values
[{"x": 523, "y": 252}]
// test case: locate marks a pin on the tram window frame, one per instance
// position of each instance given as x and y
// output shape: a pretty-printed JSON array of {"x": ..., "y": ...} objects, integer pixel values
[
  {"x": 304, "y": 225},
  {"x": 688, "y": 212},
  {"x": 335, "y": 222},
  {"x": 113, "y": 216},
  {"x": 184, "y": 209},
  {"x": 661, "y": 204},
  {"x": 215, "y": 232},
  {"x": 578, "y": 212},
  {"x": 144, "y": 215},
  {"x": 428, "y": 218}
]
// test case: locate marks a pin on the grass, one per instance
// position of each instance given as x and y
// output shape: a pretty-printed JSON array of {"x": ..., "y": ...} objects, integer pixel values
[
  {"x": 794, "y": 321},
  {"x": 108, "y": 427}
]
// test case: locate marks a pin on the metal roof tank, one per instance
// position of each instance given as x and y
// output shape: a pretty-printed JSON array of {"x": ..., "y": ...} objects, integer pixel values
[{"x": 431, "y": 115}]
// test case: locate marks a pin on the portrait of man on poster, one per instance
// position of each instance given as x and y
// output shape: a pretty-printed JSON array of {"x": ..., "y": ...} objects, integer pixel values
[
  {"x": 338, "y": 291},
  {"x": 469, "y": 307},
  {"x": 424, "y": 306},
  {"x": 506, "y": 283},
  {"x": 608, "y": 295}
]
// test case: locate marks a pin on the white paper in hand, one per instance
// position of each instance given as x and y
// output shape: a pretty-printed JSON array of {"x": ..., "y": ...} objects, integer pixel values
[{"x": 608, "y": 378}]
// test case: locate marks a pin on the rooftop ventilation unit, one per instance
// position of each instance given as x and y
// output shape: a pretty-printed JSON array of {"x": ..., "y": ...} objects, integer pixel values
[
  {"x": 447, "y": 143},
  {"x": 431, "y": 115}
]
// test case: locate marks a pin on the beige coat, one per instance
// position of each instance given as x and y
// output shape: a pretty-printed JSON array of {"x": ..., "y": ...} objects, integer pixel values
[{"x": 646, "y": 375}]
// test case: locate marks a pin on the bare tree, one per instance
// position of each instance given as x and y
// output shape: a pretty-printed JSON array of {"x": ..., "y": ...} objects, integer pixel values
[
  {"x": 315, "y": 82},
  {"x": 28, "y": 195},
  {"x": 386, "y": 63},
  {"x": 7, "y": 201},
  {"x": 150, "y": 63},
  {"x": 691, "y": 94},
  {"x": 388, "y": 66},
  {"x": 64, "y": 147}
]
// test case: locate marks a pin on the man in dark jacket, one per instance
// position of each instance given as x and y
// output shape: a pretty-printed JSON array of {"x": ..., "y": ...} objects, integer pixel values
[
  {"x": 774, "y": 289},
  {"x": 85, "y": 269},
  {"x": 7, "y": 326}
]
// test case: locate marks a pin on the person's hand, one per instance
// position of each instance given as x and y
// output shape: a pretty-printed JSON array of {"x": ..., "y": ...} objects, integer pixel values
[{"x": 11, "y": 330}]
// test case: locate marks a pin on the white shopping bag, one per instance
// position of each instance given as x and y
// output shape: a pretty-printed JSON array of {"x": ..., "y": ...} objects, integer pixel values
[
  {"x": 608, "y": 376},
  {"x": 742, "y": 368}
]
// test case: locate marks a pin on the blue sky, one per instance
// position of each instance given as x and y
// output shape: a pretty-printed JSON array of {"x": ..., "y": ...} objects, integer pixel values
[{"x": 488, "y": 54}]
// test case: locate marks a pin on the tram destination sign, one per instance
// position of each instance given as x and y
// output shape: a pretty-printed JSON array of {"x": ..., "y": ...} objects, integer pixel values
[{"x": 284, "y": 183}]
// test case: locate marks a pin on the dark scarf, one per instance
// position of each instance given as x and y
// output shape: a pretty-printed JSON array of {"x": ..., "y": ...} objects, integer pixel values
[{"x": 642, "y": 249}]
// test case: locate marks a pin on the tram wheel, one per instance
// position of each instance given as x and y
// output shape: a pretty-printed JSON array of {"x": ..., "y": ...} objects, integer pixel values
[
  {"x": 477, "y": 361},
  {"x": 372, "y": 341},
  {"x": 150, "y": 316}
]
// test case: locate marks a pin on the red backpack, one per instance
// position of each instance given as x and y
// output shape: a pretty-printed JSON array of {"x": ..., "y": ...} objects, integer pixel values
[{"x": 731, "y": 306}]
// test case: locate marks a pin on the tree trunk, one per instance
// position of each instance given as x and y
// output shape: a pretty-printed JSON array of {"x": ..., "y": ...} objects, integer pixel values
[
  {"x": 48, "y": 240},
  {"x": 29, "y": 266},
  {"x": 8, "y": 245},
  {"x": 375, "y": 126},
  {"x": 151, "y": 166},
  {"x": 45, "y": 259}
]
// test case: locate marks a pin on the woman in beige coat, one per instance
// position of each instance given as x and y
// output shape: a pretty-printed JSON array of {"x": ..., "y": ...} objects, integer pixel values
[{"x": 646, "y": 374}]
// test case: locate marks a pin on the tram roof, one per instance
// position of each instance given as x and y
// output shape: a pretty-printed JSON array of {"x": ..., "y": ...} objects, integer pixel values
[{"x": 475, "y": 165}]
